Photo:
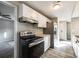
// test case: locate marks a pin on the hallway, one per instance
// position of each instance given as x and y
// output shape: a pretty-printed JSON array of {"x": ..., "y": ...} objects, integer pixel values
[{"x": 63, "y": 50}]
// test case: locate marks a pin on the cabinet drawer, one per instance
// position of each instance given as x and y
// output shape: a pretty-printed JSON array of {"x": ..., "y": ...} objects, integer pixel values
[{"x": 37, "y": 50}]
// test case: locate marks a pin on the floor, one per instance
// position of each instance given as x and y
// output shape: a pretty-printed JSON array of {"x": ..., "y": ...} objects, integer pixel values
[
  {"x": 6, "y": 50},
  {"x": 62, "y": 50}
]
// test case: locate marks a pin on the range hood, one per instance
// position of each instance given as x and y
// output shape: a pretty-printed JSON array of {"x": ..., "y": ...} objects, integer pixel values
[{"x": 25, "y": 19}]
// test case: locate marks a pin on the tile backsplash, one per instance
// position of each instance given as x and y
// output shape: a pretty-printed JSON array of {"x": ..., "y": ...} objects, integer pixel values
[{"x": 30, "y": 27}]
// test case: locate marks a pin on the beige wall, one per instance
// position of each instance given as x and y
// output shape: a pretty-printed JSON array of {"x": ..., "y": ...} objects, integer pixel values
[{"x": 75, "y": 26}]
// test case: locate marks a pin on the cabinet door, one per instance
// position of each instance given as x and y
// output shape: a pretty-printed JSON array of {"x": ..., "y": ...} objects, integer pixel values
[
  {"x": 75, "y": 46},
  {"x": 26, "y": 11},
  {"x": 41, "y": 21},
  {"x": 34, "y": 15},
  {"x": 49, "y": 28},
  {"x": 78, "y": 52},
  {"x": 75, "y": 49},
  {"x": 46, "y": 42},
  {"x": 44, "y": 21}
]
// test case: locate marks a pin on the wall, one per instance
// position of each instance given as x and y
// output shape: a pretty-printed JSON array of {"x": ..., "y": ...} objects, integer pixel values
[
  {"x": 30, "y": 27},
  {"x": 75, "y": 26},
  {"x": 26, "y": 26},
  {"x": 63, "y": 30}
]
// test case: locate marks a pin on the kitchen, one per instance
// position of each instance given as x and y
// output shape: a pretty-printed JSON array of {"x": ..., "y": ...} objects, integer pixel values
[
  {"x": 28, "y": 24},
  {"x": 28, "y": 32},
  {"x": 38, "y": 22}
]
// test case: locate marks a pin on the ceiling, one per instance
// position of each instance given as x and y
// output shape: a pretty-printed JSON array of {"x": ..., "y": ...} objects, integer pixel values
[{"x": 45, "y": 7}]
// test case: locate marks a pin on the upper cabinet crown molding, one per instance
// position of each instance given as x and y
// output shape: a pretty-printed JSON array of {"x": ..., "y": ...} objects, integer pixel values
[{"x": 27, "y": 12}]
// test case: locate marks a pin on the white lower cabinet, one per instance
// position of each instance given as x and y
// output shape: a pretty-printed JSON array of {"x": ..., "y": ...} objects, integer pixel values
[
  {"x": 78, "y": 52},
  {"x": 76, "y": 49},
  {"x": 46, "y": 42},
  {"x": 75, "y": 46}
]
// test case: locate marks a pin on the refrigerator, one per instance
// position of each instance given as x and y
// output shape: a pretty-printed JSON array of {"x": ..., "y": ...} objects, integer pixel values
[{"x": 6, "y": 38}]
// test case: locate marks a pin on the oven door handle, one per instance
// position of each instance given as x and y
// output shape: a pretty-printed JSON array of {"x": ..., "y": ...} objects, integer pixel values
[{"x": 35, "y": 43}]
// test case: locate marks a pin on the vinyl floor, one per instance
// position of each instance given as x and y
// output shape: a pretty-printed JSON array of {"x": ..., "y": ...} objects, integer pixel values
[{"x": 63, "y": 50}]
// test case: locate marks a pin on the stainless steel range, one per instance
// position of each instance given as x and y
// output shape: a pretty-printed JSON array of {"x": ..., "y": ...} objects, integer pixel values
[{"x": 27, "y": 41}]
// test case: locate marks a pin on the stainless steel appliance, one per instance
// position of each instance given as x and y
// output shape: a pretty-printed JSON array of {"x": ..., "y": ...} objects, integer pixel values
[
  {"x": 6, "y": 37},
  {"x": 28, "y": 43}
]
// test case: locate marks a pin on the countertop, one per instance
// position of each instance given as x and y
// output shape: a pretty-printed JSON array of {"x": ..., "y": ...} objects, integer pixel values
[
  {"x": 77, "y": 39},
  {"x": 43, "y": 35}
]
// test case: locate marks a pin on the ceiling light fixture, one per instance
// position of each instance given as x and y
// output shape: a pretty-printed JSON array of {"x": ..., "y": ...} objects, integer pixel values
[{"x": 57, "y": 5}]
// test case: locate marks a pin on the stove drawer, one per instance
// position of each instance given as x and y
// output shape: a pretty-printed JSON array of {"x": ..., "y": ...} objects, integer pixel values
[{"x": 37, "y": 50}]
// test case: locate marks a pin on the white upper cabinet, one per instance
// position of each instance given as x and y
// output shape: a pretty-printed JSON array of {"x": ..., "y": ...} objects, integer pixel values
[
  {"x": 34, "y": 15},
  {"x": 26, "y": 11},
  {"x": 76, "y": 10},
  {"x": 41, "y": 21}
]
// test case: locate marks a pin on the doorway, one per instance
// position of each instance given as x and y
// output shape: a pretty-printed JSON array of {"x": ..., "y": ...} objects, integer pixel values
[
  {"x": 64, "y": 43},
  {"x": 68, "y": 31}
]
